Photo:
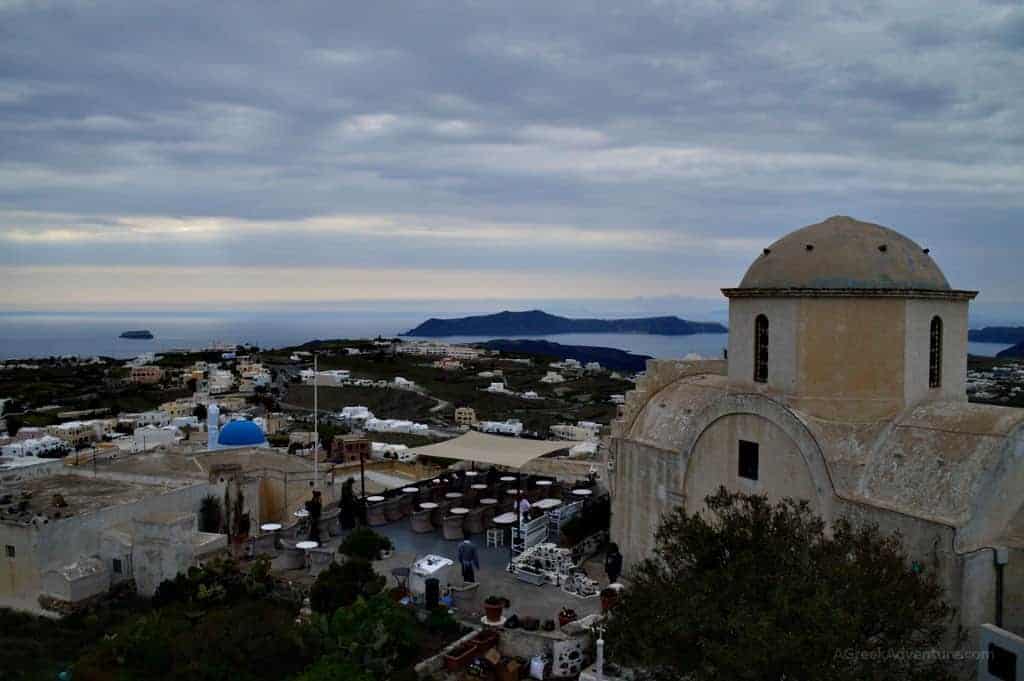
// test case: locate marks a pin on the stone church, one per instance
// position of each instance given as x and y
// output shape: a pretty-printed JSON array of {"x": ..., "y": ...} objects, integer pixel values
[{"x": 844, "y": 385}]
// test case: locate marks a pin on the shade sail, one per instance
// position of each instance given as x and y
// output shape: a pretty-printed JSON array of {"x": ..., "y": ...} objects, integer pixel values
[{"x": 512, "y": 452}]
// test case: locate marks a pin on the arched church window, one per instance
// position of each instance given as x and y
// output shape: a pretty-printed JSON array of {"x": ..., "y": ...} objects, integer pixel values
[
  {"x": 761, "y": 349},
  {"x": 935, "y": 354}
]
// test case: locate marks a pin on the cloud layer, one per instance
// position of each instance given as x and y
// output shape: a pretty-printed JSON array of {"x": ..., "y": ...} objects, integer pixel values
[{"x": 649, "y": 148}]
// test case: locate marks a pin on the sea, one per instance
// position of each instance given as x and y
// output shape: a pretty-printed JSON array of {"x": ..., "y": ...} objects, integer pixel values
[{"x": 88, "y": 334}]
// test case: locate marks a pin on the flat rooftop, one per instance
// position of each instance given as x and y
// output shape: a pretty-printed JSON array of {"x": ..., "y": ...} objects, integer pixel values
[{"x": 81, "y": 494}]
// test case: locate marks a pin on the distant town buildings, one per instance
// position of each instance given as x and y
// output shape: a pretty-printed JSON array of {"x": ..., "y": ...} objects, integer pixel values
[
  {"x": 583, "y": 430},
  {"x": 552, "y": 377},
  {"x": 430, "y": 349},
  {"x": 351, "y": 448},
  {"x": 510, "y": 427},
  {"x": 146, "y": 375},
  {"x": 465, "y": 416}
]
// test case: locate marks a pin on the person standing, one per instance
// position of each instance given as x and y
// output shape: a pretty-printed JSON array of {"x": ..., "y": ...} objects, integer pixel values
[
  {"x": 469, "y": 560},
  {"x": 524, "y": 509},
  {"x": 613, "y": 563}
]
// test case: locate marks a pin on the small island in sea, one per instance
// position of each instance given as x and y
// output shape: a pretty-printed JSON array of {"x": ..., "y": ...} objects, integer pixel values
[
  {"x": 141, "y": 334},
  {"x": 538, "y": 322}
]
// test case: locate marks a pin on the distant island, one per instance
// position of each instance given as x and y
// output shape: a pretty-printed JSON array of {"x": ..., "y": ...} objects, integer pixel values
[
  {"x": 997, "y": 334},
  {"x": 537, "y": 322},
  {"x": 610, "y": 358},
  {"x": 1017, "y": 351},
  {"x": 142, "y": 334}
]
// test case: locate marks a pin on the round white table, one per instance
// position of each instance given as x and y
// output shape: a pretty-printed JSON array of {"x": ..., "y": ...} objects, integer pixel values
[
  {"x": 375, "y": 499},
  {"x": 582, "y": 492},
  {"x": 543, "y": 483},
  {"x": 548, "y": 504},
  {"x": 428, "y": 505},
  {"x": 478, "y": 486},
  {"x": 472, "y": 474},
  {"x": 505, "y": 519},
  {"x": 512, "y": 491},
  {"x": 301, "y": 513},
  {"x": 411, "y": 490},
  {"x": 453, "y": 495},
  {"x": 508, "y": 478},
  {"x": 458, "y": 510},
  {"x": 270, "y": 527},
  {"x": 307, "y": 545},
  {"x": 488, "y": 502}
]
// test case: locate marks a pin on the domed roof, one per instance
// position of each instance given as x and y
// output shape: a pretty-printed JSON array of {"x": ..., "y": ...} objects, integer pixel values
[
  {"x": 241, "y": 433},
  {"x": 843, "y": 253}
]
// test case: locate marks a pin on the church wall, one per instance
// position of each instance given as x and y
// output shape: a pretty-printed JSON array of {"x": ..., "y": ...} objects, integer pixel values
[
  {"x": 782, "y": 316},
  {"x": 954, "y": 350},
  {"x": 642, "y": 496},
  {"x": 782, "y": 471},
  {"x": 850, "y": 357}
]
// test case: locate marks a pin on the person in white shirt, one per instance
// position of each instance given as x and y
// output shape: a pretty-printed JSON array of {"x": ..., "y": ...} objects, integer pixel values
[{"x": 524, "y": 508}]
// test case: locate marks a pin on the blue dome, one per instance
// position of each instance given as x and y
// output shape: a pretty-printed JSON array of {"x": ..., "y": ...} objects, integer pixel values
[{"x": 240, "y": 434}]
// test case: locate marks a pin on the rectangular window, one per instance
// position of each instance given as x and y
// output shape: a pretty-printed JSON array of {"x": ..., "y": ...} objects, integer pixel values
[
  {"x": 118, "y": 569},
  {"x": 1002, "y": 664},
  {"x": 748, "y": 460},
  {"x": 10, "y": 551}
]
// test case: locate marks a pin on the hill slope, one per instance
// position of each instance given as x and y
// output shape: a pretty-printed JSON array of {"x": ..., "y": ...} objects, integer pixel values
[
  {"x": 537, "y": 322},
  {"x": 997, "y": 334},
  {"x": 610, "y": 358},
  {"x": 1016, "y": 351}
]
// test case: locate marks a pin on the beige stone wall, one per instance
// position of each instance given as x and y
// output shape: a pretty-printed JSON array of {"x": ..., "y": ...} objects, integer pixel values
[
  {"x": 783, "y": 318},
  {"x": 19, "y": 576},
  {"x": 919, "y": 314},
  {"x": 715, "y": 460}
]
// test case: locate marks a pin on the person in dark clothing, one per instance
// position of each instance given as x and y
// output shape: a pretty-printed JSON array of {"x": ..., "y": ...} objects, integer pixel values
[
  {"x": 348, "y": 505},
  {"x": 314, "y": 506},
  {"x": 469, "y": 560},
  {"x": 492, "y": 476},
  {"x": 613, "y": 563}
]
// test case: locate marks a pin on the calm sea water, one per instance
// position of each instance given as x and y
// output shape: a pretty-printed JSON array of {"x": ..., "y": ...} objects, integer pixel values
[{"x": 88, "y": 334}]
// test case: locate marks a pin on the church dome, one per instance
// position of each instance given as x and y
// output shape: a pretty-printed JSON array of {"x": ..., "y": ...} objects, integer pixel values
[
  {"x": 843, "y": 253},
  {"x": 241, "y": 434}
]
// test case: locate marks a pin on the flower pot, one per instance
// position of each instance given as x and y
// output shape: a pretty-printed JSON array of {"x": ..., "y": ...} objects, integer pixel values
[
  {"x": 609, "y": 597},
  {"x": 565, "y": 618},
  {"x": 460, "y": 657},
  {"x": 493, "y": 612}
]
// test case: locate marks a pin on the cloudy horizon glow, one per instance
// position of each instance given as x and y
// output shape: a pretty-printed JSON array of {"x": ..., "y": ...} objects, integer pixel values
[{"x": 197, "y": 154}]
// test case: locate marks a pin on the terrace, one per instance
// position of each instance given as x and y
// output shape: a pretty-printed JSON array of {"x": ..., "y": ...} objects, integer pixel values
[{"x": 521, "y": 559}]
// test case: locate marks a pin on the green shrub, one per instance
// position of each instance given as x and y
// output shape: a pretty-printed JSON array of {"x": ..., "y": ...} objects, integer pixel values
[
  {"x": 364, "y": 543},
  {"x": 341, "y": 585},
  {"x": 209, "y": 514}
]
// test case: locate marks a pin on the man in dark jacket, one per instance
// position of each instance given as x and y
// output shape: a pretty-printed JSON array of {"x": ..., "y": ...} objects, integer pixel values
[
  {"x": 469, "y": 560},
  {"x": 613, "y": 563}
]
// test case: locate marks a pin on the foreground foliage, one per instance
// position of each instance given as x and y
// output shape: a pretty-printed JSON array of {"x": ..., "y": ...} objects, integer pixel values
[{"x": 753, "y": 590}]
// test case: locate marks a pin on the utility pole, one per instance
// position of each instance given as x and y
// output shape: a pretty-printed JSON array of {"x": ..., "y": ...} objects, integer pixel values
[{"x": 316, "y": 424}]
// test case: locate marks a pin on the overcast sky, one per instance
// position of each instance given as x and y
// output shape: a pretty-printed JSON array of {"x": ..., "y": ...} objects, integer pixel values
[{"x": 211, "y": 152}]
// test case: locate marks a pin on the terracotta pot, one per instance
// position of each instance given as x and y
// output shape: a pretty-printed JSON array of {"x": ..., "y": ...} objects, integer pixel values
[
  {"x": 493, "y": 612},
  {"x": 609, "y": 597},
  {"x": 459, "y": 658}
]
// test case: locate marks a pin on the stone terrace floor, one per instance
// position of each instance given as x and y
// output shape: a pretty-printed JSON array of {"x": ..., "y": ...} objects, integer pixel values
[{"x": 527, "y": 600}]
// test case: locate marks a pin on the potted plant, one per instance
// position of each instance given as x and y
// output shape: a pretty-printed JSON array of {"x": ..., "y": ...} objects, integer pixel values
[
  {"x": 458, "y": 657},
  {"x": 566, "y": 615},
  {"x": 493, "y": 606}
]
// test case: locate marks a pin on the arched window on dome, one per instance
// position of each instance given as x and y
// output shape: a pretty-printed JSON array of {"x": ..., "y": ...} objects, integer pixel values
[
  {"x": 761, "y": 349},
  {"x": 935, "y": 354}
]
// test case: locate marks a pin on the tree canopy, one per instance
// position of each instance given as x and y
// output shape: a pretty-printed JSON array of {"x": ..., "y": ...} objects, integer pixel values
[{"x": 754, "y": 590}]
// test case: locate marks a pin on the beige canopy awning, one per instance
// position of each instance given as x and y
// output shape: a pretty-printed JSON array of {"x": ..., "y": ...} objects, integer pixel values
[{"x": 512, "y": 452}]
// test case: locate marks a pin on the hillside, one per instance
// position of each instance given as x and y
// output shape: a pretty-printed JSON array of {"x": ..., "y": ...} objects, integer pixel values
[
  {"x": 1017, "y": 351},
  {"x": 610, "y": 358},
  {"x": 997, "y": 334},
  {"x": 537, "y": 322}
]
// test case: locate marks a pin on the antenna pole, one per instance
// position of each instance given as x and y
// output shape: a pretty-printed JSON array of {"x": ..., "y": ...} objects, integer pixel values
[{"x": 316, "y": 424}]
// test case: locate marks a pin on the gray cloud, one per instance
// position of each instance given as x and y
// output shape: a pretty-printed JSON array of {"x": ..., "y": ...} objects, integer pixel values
[{"x": 699, "y": 120}]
